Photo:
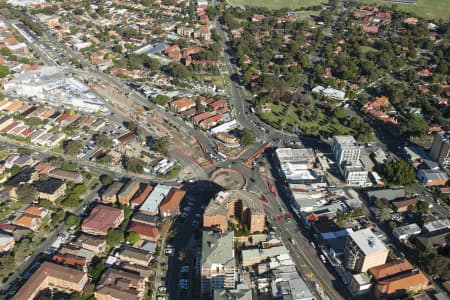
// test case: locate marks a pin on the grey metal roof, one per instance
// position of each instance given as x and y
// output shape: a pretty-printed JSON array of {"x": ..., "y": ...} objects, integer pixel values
[{"x": 217, "y": 248}]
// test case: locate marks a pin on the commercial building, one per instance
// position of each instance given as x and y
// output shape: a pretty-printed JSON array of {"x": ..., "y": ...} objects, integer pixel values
[
  {"x": 436, "y": 225},
  {"x": 346, "y": 150},
  {"x": 440, "y": 149},
  {"x": 57, "y": 88},
  {"x": 255, "y": 256},
  {"x": 110, "y": 194},
  {"x": 403, "y": 233},
  {"x": 296, "y": 164},
  {"x": 235, "y": 294},
  {"x": 432, "y": 177},
  {"x": 348, "y": 153},
  {"x": 240, "y": 204},
  {"x": 55, "y": 276},
  {"x": 355, "y": 175},
  {"x": 218, "y": 265},
  {"x": 101, "y": 219},
  {"x": 363, "y": 250}
]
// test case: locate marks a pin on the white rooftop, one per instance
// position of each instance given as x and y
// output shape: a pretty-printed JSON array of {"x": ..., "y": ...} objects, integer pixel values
[
  {"x": 436, "y": 225},
  {"x": 290, "y": 154},
  {"x": 367, "y": 241},
  {"x": 345, "y": 139},
  {"x": 155, "y": 198}
]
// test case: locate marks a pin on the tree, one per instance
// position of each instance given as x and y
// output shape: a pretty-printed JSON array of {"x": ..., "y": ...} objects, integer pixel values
[
  {"x": 7, "y": 265},
  {"x": 247, "y": 137},
  {"x": 132, "y": 126},
  {"x": 161, "y": 145},
  {"x": 384, "y": 215},
  {"x": 58, "y": 217},
  {"x": 97, "y": 268},
  {"x": 27, "y": 192},
  {"x": 103, "y": 141},
  {"x": 422, "y": 207},
  {"x": 161, "y": 99},
  {"x": 211, "y": 12},
  {"x": 115, "y": 237},
  {"x": 4, "y": 71},
  {"x": 71, "y": 201},
  {"x": 399, "y": 173},
  {"x": 72, "y": 220},
  {"x": 72, "y": 147},
  {"x": 177, "y": 69},
  {"x": 133, "y": 238},
  {"x": 106, "y": 180},
  {"x": 134, "y": 165}
]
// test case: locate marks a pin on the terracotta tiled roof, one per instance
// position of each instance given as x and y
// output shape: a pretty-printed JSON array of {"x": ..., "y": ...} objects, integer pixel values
[
  {"x": 389, "y": 269},
  {"x": 172, "y": 200},
  {"x": 141, "y": 196},
  {"x": 403, "y": 283},
  {"x": 144, "y": 230}
]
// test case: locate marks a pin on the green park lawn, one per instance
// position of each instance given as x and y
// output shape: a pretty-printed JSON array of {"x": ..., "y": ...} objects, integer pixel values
[
  {"x": 430, "y": 9},
  {"x": 367, "y": 49},
  {"x": 285, "y": 117},
  {"x": 276, "y": 4}
]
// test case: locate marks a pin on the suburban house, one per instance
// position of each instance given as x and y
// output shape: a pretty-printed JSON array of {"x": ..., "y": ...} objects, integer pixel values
[
  {"x": 182, "y": 104},
  {"x": 145, "y": 231}
]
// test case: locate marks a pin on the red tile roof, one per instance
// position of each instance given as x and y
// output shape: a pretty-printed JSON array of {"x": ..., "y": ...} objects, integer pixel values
[
  {"x": 172, "y": 201},
  {"x": 145, "y": 231},
  {"x": 389, "y": 269},
  {"x": 102, "y": 218},
  {"x": 141, "y": 196}
]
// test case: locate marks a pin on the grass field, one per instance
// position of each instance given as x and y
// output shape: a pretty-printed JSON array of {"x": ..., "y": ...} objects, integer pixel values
[
  {"x": 431, "y": 9},
  {"x": 275, "y": 4}
]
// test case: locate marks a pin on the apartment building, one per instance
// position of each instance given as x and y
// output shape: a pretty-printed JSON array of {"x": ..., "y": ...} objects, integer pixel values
[
  {"x": 364, "y": 250},
  {"x": 218, "y": 265},
  {"x": 440, "y": 149},
  {"x": 55, "y": 276},
  {"x": 346, "y": 150},
  {"x": 240, "y": 204},
  {"x": 101, "y": 219}
]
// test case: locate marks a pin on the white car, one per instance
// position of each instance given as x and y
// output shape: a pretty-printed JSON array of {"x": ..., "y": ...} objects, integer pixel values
[{"x": 187, "y": 209}]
